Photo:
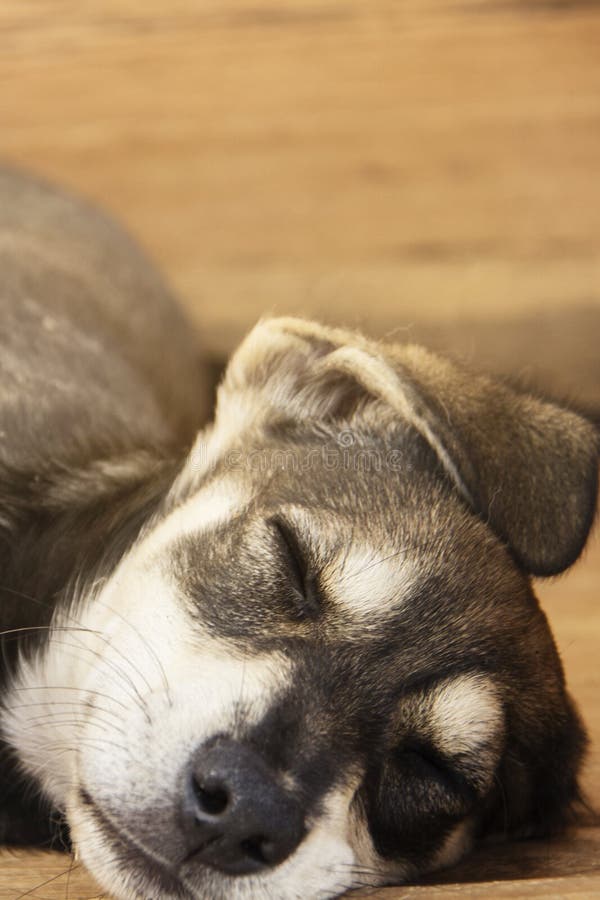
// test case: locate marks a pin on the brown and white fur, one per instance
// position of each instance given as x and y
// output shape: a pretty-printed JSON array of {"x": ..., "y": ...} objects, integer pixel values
[{"x": 298, "y": 652}]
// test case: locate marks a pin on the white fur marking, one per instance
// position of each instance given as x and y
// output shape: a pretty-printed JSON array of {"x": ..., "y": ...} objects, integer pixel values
[
  {"x": 371, "y": 583},
  {"x": 218, "y": 502},
  {"x": 466, "y": 714},
  {"x": 456, "y": 845}
]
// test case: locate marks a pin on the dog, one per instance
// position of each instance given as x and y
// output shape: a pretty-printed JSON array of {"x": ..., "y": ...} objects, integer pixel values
[{"x": 293, "y": 651}]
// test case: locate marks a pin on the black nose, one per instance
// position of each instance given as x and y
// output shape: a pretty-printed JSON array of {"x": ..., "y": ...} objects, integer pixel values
[{"x": 238, "y": 816}]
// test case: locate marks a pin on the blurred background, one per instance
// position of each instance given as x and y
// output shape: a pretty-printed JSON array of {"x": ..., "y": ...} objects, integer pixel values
[{"x": 427, "y": 169}]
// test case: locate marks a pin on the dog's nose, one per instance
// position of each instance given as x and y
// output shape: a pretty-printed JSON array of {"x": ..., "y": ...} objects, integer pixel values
[{"x": 238, "y": 817}]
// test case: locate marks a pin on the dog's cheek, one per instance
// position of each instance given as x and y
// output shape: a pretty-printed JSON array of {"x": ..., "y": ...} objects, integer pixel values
[
  {"x": 376, "y": 869},
  {"x": 457, "y": 844},
  {"x": 91, "y": 849}
]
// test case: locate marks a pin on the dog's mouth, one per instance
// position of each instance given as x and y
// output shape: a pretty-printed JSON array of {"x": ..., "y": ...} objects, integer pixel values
[{"x": 157, "y": 875}]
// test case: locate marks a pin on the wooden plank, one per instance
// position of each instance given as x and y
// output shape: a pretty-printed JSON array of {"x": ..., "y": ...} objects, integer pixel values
[{"x": 43, "y": 876}]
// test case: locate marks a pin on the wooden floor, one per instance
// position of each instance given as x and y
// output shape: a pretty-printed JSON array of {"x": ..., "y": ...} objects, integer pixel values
[{"x": 425, "y": 166}]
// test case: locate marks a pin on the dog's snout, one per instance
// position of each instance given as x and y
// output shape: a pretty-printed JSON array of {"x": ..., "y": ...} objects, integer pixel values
[{"x": 239, "y": 818}]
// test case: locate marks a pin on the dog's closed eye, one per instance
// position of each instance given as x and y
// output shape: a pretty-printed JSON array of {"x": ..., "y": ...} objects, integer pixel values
[
  {"x": 304, "y": 583},
  {"x": 419, "y": 759},
  {"x": 414, "y": 786}
]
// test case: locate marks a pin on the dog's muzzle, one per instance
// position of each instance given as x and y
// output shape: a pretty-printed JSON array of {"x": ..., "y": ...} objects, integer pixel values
[{"x": 237, "y": 816}]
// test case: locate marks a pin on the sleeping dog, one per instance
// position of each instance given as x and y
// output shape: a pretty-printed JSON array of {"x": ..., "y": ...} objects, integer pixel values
[{"x": 292, "y": 652}]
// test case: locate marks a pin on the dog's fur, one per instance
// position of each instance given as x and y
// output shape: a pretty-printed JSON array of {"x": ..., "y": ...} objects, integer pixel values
[{"x": 321, "y": 614}]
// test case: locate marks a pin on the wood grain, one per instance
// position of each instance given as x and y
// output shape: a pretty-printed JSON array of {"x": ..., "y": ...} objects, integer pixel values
[
  {"x": 382, "y": 164},
  {"x": 340, "y": 159}
]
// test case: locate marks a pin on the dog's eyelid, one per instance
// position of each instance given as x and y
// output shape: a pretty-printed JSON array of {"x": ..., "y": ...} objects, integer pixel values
[
  {"x": 304, "y": 578},
  {"x": 289, "y": 540},
  {"x": 436, "y": 762}
]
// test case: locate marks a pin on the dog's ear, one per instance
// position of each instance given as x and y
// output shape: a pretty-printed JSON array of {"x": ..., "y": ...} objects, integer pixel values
[{"x": 527, "y": 466}]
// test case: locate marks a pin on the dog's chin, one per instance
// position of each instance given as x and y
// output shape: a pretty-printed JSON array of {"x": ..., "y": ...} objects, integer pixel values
[{"x": 123, "y": 868}]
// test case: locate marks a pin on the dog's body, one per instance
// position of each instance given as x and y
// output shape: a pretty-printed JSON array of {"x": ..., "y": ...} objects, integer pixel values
[
  {"x": 302, "y": 657},
  {"x": 85, "y": 325}
]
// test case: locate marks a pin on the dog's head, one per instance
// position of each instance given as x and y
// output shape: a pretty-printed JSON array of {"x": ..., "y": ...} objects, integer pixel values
[{"x": 323, "y": 665}]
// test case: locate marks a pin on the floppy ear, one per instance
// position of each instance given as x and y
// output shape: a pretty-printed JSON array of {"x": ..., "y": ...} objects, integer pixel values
[{"x": 528, "y": 467}]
